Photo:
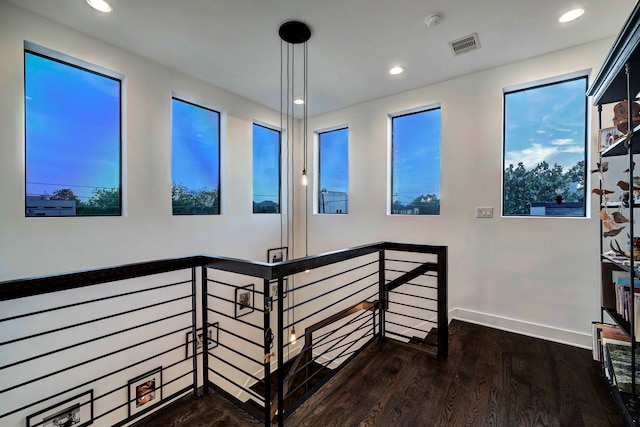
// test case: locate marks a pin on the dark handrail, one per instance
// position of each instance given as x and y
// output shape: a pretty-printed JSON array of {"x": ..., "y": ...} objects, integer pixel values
[{"x": 19, "y": 288}]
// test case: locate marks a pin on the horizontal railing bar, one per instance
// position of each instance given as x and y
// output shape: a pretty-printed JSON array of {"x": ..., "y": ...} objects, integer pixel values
[
  {"x": 361, "y": 306},
  {"x": 410, "y": 275},
  {"x": 411, "y": 317},
  {"x": 91, "y": 381},
  {"x": 430, "y": 310},
  {"x": 235, "y": 318},
  {"x": 416, "y": 297},
  {"x": 10, "y": 365},
  {"x": 411, "y": 327},
  {"x": 95, "y": 359},
  {"x": 335, "y": 344},
  {"x": 361, "y": 314},
  {"x": 333, "y": 276},
  {"x": 330, "y": 343},
  {"x": 427, "y": 274},
  {"x": 63, "y": 307},
  {"x": 308, "y": 300},
  {"x": 237, "y": 368},
  {"x": 233, "y": 350},
  {"x": 327, "y": 308},
  {"x": 245, "y": 339},
  {"x": 404, "y": 261},
  {"x": 248, "y": 391},
  {"x": 420, "y": 285},
  {"x": 124, "y": 386},
  {"x": 99, "y": 319}
]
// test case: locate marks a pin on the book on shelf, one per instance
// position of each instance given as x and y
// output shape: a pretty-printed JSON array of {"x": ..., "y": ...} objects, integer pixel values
[
  {"x": 608, "y": 333},
  {"x": 618, "y": 359}
]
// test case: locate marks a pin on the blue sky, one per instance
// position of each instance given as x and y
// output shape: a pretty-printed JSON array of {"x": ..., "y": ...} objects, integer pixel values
[
  {"x": 416, "y": 155},
  {"x": 72, "y": 128},
  {"x": 195, "y": 136},
  {"x": 546, "y": 124},
  {"x": 334, "y": 160},
  {"x": 266, "y": 164}
]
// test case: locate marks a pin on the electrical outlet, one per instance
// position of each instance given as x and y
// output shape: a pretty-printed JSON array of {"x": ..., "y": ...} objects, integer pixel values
[{"x": 484, "y": 212}]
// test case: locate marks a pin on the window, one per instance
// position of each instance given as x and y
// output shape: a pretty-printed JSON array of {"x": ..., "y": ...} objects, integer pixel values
[
  {"x": 195, "y": 159},
  {"x": 72, "y": 136},
  {"x": 415, "y": 170},
  {"x": 266, "y": 170},
  {"x": 333, "y": 171},
  {"x": 545, "y": 128}
]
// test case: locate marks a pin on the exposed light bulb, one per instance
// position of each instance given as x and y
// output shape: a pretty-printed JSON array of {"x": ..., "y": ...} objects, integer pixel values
[
  {"x": 292, "y": 337},
  {"x": 298, "y": 101},
  {"x": 305, "y": 179},
  {"x": 100, "y": 5},
  {"x": 396, "y": 70}
]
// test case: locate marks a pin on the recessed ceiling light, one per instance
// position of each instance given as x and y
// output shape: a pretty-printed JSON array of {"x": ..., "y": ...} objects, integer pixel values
[
  {"x": 572, "y": 15},
  {"x": 396, "y": 70},
  {"x": 100, "y": 5},
  {"x": 298, "y": 101}
]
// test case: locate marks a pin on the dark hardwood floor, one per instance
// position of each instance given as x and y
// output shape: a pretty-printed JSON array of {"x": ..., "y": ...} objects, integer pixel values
[{"x": 491, "y": 378}]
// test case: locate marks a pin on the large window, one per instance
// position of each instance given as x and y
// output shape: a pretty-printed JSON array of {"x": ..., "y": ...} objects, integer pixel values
[
  {"x": 415, "y": 176},
  {"x": 195, "y": 159},
  {"x": 545, "y": 128},
  {"x": 72, "y": 136},
  {"x": 333, "y": 171},
  {"x": 266, "y": 169}
]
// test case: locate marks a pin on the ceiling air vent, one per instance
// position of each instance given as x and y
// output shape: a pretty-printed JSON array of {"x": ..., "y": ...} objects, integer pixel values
[{"x": 465, "y": 44}]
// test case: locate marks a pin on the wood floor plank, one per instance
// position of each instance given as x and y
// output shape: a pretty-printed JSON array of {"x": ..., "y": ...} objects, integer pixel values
[{"x": 491, "y": 378}]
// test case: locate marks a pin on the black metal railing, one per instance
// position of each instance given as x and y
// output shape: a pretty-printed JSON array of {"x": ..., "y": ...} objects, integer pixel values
[{"x": 113, "y": 345}]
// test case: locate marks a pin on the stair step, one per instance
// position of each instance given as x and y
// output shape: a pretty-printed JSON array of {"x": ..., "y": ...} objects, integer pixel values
[{"x": 431, "y": 340}]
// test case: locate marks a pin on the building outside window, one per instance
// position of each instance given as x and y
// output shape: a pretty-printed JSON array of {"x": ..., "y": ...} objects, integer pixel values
[
  {"x": 333, "y": 171},
  {"x": 415, "y": 162},
  {"x": 545, "y": 140},
  {"x": 195, "y": 160},
  {"x": 72, "y": 136}
]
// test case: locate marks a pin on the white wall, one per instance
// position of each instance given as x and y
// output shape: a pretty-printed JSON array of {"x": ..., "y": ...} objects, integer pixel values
[
  {"x": 147, "y": 230},
  {"x": 536, "y": 276}
]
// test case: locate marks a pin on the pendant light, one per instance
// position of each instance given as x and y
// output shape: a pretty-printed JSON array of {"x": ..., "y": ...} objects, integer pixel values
[{"x": 294, "y": 34}]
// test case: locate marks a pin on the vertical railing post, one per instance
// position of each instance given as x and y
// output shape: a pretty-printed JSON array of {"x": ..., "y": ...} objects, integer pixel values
[
  {"x": 268, "y": 344},
  {"x": 382, "y": 293},
  {"x": 308, "y": 349},
  {"x": 281, "y": 353},
  {"x": 194, "y": 307},
  {"x": 443, "y": 315},
  {"x": 205, "y": 332}
]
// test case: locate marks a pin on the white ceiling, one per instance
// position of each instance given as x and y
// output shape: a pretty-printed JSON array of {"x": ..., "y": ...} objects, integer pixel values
[{"x": 234, "y": 44}]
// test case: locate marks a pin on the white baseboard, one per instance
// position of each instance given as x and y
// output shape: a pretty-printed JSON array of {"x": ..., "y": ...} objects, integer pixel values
[{"x": 545, "y": 332}]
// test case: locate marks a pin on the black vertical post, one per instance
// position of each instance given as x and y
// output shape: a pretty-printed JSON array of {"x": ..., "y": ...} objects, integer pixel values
[
  {"x": 632, "y": 331},
  {"x": 194, "y": 306},
  {"x": 382, "y": 293},
  {"x": 308, "y": 357},
  {"x": 280, "y": 354},
  {"x": 443, "y": 315},
  {"x": 268, "y": 342},
  {"x": 599, "y": 167},
  {"x": 205, "y": 333}
]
